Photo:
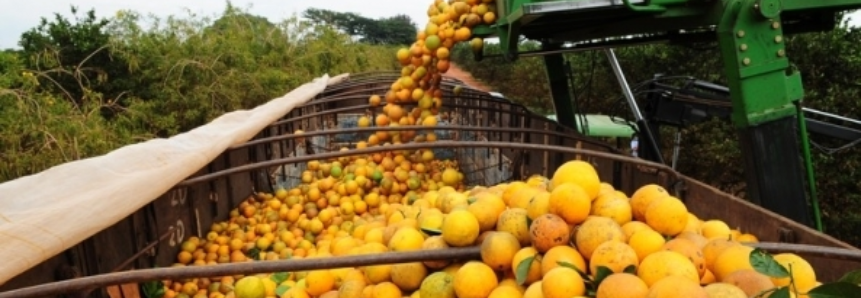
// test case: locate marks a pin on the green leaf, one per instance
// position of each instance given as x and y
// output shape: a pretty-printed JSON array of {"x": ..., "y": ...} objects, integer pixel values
[
  {"x": 835, "y": 290},
  {"x": 254, "y": 254},
  {"x": 432, "y": 232},
  {"x": 153, "y": 289},
  {"x": 764, "y": 293},
  {"x": 279, "y": 277},
  {"x": 602, "y": 273},
  {"x": 523, "y": 270},
  {"x": 764, "y": 263},
  {"x": 631, "y": 269},
  {"x": 585, "y": 276},
  {"x": 281, "y": 289},
  {"x": 782, "y": 292},
  {"x": 853, "y": 277}
]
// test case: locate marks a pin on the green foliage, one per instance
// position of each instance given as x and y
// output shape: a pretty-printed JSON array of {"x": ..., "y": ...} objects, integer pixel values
[
  {"x": 828, "y": 62},
  {"x": 764, "y": 263},
  {"x": 73, "y": 56},
  {"x": 395, "y": 30},
  {"x": 153, "y": 289},
  {"x": 42, "y": 129},
  {"x": 181, "y": 72},
  {"x": 522, "y": 270}
]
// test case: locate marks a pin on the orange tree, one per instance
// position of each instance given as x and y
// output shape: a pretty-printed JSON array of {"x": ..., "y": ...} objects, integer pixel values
[{"x": 181, "y": 72}]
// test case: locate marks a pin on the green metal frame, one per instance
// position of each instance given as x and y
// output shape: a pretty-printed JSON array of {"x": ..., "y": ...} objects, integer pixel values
[
  {"x": 808, "y": 164},
  {"x": 754, "y": 55},
  {"x": 751, "y": 33}
]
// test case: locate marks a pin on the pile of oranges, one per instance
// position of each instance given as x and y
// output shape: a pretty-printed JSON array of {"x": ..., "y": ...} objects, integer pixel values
[{"x": 565, "y": 236}]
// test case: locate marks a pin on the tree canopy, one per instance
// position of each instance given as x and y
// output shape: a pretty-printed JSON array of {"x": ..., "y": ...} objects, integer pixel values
[
  {"x": 395, "y": 30},
  {"x": 85, "y": 86},
  {"x": 72, "y": 50}
]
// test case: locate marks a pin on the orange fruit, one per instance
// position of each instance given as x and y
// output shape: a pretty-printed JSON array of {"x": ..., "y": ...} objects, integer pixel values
[
  {"x": 578, "y": 172},
  {"x": 664, "y": 263},
  {"x": 562, "y": 282},
  {"x": 644, "y": 196},
  {"x": 570, "y": 201},
  {"x": 749, "y": 281},
  {"x": 318, "y": 282},
  {"x": 667, "y": 215},
  {"x": 724, "y": 290},
  {"x": 677, "y": 286},
  {"x": 614, "y": 206},
  {"x": 548, "y": 231},
  {"x": 408, "y": 276},
  {"x": 523, "y": 255},
  {"x": 386, "y": 290},
  {"x": 439, "y": 285},
  {"x": 645, "y": 242},
  {"x": 498, "y": 250},
  {"x": 715, "y": 229},
  {"x": 514, "y": 220},
  {"x": 562, "y": 254},
  {"x": 460, "y": 228},
  {"x": 732, "y": 258},
  {"x": 595, "y": 231},
  {"x": 690, "y": 250},
  {"x": 802, "y": 272},
  {"x": 614, "y": 255},
  {"x": 474, "y": 280},
  {"x": 534, "y": 290},
  {"x": 622, "y": 285}
]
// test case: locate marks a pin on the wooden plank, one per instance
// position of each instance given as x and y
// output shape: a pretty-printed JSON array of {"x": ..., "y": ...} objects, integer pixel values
[
  {"x": 173, "y": 214},
  {"x": 130, "y": 290},
  {"x": 40, "y": 274},
  {"x": 123, "y": 291},
  {"x": 114, "y": 292},
  {"x": 114, "y": 245}
]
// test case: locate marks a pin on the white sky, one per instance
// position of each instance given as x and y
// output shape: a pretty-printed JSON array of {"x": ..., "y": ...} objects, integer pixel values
[{"x": 19, "y": 16}]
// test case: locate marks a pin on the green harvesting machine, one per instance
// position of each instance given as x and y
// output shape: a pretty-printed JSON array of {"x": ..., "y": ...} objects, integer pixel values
[{"x": 765, "y": 89}]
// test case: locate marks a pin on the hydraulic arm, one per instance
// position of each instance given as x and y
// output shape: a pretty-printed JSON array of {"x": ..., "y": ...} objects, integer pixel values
[{"x": 697, "y": 101}]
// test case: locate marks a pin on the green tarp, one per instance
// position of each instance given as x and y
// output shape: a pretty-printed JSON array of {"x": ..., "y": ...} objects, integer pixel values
[{"x": 603, "y": 126}]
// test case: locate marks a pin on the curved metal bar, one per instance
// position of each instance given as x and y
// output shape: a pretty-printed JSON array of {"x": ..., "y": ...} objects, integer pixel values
[
  {"x": 810, "y": 250},
  {"x": 525, "y": 113},
  {"x": 246, "y": 268},
  {"x": 461, "y": 253},
  {"x": 420, "y": 128},
  {"x": 362, "y": 94},
  {"x": 417, "y": 146}
]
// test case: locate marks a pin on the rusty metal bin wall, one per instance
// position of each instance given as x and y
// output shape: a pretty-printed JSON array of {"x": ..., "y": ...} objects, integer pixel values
[
  {"x": 151, "y": 236},
  {"x": 710, "y": 203}
]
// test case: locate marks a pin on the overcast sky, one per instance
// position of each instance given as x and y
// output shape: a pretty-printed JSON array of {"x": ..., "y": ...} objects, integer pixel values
[{"x": 19, "y": 16}]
